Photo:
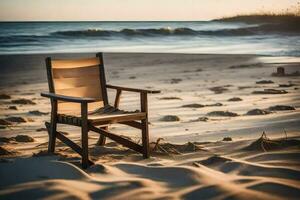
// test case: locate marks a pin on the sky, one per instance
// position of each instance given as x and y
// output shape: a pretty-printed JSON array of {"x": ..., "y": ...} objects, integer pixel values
[{"x": 134, "y": 10}]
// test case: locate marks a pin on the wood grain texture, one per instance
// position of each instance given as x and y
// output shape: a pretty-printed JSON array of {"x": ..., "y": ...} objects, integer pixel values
[
  {"x": 83, "y": 81},
  {"x": 115, "y": 118},
  {"x": 76, "y": 72},
  {"x": 74, "y": 108},
  {"x": 75, "y": 63}
]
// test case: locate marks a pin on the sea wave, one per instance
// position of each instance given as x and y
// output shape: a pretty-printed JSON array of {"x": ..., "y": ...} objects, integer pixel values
[
  {"x": 259, "y": 29},
  {"x": 127, "y": 32},
  {"x": 23, "y": 40},
  {"x": 54, "y": 37},
  {"x": 247, "y": 31}
]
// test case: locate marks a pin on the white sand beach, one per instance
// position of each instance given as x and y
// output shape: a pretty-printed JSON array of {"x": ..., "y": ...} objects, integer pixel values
[{"x": 210, "y": 145}]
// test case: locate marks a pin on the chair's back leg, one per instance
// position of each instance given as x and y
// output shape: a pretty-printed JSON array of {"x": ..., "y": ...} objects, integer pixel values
[
  {"x": 145, "y": 129},
  {"x": 53, "y": 126},
  {"x": 84, "y": 136},
  {"x": 145, "y": 138},
  {"x": 102, "y": 139}
]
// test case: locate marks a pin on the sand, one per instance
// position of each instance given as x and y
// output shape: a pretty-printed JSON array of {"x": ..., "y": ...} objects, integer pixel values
[{"x": 191, "y": 161}]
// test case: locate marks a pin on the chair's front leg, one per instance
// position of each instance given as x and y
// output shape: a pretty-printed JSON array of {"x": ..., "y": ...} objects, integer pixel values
[
  {"x": 53, "y": 125},
  {"x": 84, "y": 135},
  {"x": 145, "y": 130}
]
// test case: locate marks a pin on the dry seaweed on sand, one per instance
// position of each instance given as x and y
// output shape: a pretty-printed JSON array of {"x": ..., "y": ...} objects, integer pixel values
[
  {"x": 170, "y": 98},
  {"x": 24, "y": 138},
  {"x": 258, "y": 112},
  {"x": 193, "y": 105},
  {"x": 266, "y": 144},
  {"x": 218, "y": 89},
  {"x": 169, "y": 149},
  {"x": 170, "y": 118},
  {"x": 281, "y": 107},
  {"x": 5, "y": 139},
  {"x": 244, "y": 87},
  {"x": 246, "y": 66},
  {"x": 16, "y": 119},
  {"x": 270, "y": 91},
  {"x": 222, "y": 114},
  {"x": 214, "y": 104},
  {"x": 200, "y": 119},
  {"x": 235, "y": 99},
  {"x": 286, "y": 85},
  {"x": 12, "y": 108},
  {"x": 18, "y": 138},
  {"x": 41, "y": 129},
  {"x": 38, "y": 113},
  {"x": 227, "y": 139},
  {"x": 5, "y": 96},
  {"x": 264, "y": 82},
  {"x": 23, "y": 101},
  {"x": 5, "y": 122},
  {"x": 196, "y": 105},
  {"x": 175, "y": 80}
]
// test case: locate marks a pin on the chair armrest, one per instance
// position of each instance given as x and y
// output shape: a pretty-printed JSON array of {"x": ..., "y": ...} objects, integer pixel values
[
  {"x": 132, "y": 89},
  {"x": 67, "y": 98}
]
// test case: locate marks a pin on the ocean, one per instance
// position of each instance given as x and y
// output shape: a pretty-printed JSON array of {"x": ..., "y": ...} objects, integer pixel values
[{"x": 161, "y": 37}]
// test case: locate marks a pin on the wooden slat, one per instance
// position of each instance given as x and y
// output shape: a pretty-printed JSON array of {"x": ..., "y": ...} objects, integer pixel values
[
  {"x": 102, "y": 78},
  {"x": 75, "y": 63},
  {"x": 116, "y": 118},
  {"x": 74, "y": 108},
  {"x": 118, "y": 139},
  {"x": 133, "y": 124},
  {"x": 89, "y": 91},
  {"x": 68, "y": 83},
  {"x": 132, "y": 89},
  {"x": 75, "y": 72}
]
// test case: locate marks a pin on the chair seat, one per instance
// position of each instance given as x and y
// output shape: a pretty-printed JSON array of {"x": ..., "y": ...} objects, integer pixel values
[{"x": 105, "y": 115}]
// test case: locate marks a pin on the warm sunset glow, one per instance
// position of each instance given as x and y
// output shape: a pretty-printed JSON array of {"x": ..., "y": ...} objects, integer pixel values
[{"x": 77, "y": 10}]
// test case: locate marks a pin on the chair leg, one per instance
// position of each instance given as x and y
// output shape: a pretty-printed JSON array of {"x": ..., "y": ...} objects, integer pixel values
[
  {"x": 85, "y": 148},
  {"x": 84, "y": 137},
  {"x": 145, "y": 138},
  {"x": 52, "y": 127},
  {"x": 102, "y": 139},
  {"x": 52, "y": 137}
]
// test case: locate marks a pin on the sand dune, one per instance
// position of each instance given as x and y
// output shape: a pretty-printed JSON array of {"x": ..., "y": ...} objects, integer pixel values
[{"x": 222, "y": 177}]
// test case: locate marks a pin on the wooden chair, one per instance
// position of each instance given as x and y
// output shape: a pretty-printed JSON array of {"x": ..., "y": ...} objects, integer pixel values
[{"x": 78, "y": 94}]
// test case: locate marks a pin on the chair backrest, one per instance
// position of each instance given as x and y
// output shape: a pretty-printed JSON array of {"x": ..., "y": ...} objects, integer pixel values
[{"x": 79, "y": 78}]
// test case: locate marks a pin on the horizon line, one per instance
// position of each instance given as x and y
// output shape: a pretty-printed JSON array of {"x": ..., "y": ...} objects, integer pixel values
[{"x": 108, "y": 20}]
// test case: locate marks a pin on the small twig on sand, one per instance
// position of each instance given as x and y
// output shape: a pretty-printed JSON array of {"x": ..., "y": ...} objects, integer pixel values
[
  {"x": 157, "y": 144},
  {"x": 163, "y": 150},
  {"x": 266, "y": 140},
  {"x": 263, "y": 138},
  {"x": 286, "y": 137}
]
